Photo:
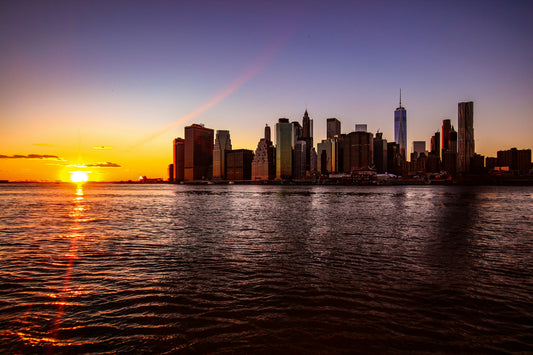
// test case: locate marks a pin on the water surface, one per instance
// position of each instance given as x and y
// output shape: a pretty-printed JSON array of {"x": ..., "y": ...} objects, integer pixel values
[{"x": 164, "y": 268}]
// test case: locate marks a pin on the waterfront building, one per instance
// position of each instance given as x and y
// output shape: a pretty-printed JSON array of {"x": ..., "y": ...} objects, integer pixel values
[
  {"x": 446, "y": 129},
  {"x": 198, "y": 152},
  {"x": 327, "y": 156},
  {"x": 477, "y": 164},
  {"x": 453, "y": 140},
  {"x": 358, "y": 151},
  {"x": 313, "y": 160},
  {"x": 380, "y": 153},
  {"x": 284, "y": 146},
  {"x": 239, "y": 164},
  {"x": 297, "y": 131},
  {"x": 222, "y": 145},
  {"x": 171, "y": 173},
  {"x": 465, "y": 142},
  {"x": 419, "y": 147},
  {"x": 400, "y": 128},
  {"x": 264, "y": 162},
  {"x": 178, "y": 153},
  {"x": 395, "y": 162},
  {"x": 360, "y": 127},
  {"x": 518, "y": 160},
  {"x": 307, "y": 137},
  {"x": 333, "y": 127},
  {"x": 299, "y": 160},
  {"x": 435, "y": 144},
  {"x": 491, "y": 163}
]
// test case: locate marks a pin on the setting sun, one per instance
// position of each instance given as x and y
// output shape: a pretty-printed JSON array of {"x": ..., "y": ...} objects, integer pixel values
[{"x": 79, "y": 176}]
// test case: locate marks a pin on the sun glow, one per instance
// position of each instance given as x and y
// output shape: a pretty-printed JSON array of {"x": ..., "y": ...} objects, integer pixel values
[{"x": 79, "y": 176}]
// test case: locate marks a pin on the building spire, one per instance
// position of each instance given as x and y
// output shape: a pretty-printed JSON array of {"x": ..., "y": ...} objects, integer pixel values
[{"x": 400, "y": 97}]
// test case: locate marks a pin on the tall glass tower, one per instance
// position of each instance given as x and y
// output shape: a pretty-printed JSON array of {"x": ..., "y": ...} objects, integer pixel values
[
  {"x": 400, "y": 127},
  {"x": 284, "y": 146},
  {"x": 465, "y": 141}
]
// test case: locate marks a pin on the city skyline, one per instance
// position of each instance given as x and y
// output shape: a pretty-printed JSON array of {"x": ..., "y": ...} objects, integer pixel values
[{"x": 106, "y": 87}]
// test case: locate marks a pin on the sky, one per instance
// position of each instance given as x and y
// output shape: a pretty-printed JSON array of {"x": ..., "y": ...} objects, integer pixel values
[{"x": 105, "y": 86}]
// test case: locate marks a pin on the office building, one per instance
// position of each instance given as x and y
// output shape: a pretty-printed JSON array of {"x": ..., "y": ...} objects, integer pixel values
[
  {"x": 446, "y": 129},
  {"x": 284, "y": 146},
  {"x": 358, "y": 151},
  {"x": 222, "y": 145},
  {"x": 333, "y": 128},
  {"x": 435, "y": 144},
  {"x": 400, "y": 128},
  {"x": 239, "y": 164},
  {"x": 419, "y": 147},
  {"x": 264, "y": 162},
  {"x": 178, "y": 159},
  {"x": 198, "y": 152},
  {"x": 299, "y": 160},
  {"x": 380, "y": 153},
  {"x": 465, "y": 141},
  {"x": 395, "y": 162},
  {"x": 327, "y": 156},
  {"x": 518, "y": 160}
]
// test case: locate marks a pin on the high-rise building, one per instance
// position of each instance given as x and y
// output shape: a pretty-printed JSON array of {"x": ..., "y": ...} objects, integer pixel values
[
  {"x": 400, "y": 128},
  {"x": 299, "y": 160},
  {"x": 360, "y": 127},
  {"x": 328, "y": 156},
  {"x": 307, "y": 137},
  {"x": 446, "y": 129},
  {"x": 306, "y": 123},
  {"x": 333, "y": 127},
  {"x": 171, "y": 173},
  {"x": 518, "y": 160},
  {"x": 380, "y": 153},
  {"x": 453, "y": 140},
  {"x": 418, "y": 148},
  {"x": 198, "y": 153},
  {"x": 264, "y": 162},
  {"x": 395, "y": 162},
  {"x": 465, "y": 142},
  {"x": 284, "y": 146},
  {"x": 435, "y": 144},
  {"x": 178, "y": 159},
  {"x": 239, "y": 164},
  {"x": 222, "y": 144},
  {"x": 358, "y": 151}
]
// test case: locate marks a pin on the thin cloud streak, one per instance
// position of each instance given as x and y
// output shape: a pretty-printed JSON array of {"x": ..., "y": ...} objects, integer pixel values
[
  {"x": 30, "y": 156},
  {"x": 251, "y": 71},
  {"x": 102, "y": 147}
]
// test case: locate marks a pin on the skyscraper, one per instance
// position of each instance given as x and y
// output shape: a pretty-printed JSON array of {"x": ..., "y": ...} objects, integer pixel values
[
  {"x": 284, "y": 146},
  {"x": 306, "y": 123},
  {"x": 333, "y": 127},
  {"x": 446, "y": 129},
  {"x": 419, "y": 147},
  {"x": 264, "y": 161},
  {"x": 178, "y": 159},
  {"x": 380, "y": 153},
  {"x": 400, "y": 127},
  {"x": 358, "y": 151},
  {"x": 465, "y": 141},
  {"x": 307, "y": 137},
  {"x": 239, "y": 164},
  {"x": 198, "y": 152},
  {"x": 222, "y": 144}
]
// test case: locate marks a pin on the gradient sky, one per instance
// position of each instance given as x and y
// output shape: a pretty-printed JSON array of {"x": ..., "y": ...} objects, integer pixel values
[{"x": 109, "y": 84}]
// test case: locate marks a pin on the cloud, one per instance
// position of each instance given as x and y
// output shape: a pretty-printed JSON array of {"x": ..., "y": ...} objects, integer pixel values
[
  {"x": 102, "y": 147},
  {"x": 104, "y": 165},
  {"x": 44, "y": 145},
  {"x": 30, "y": 156}
]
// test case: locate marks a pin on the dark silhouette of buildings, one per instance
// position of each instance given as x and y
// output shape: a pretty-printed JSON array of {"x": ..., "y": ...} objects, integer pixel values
[
  {"x": 222, "y": 145},
  {"x": 333, "y": 127},
  {"x": 518, "y": 161},
  {"x": 380, "y": 153},
  {"x": 284, "y": 145},
  {"x": 446, "y": 129},
  {"x": 239, "y": 164},
  {"x": 465, "y": 143},
  {"x": 179, "y": 159},
  {"x": 358, "y": 151},
  {"x": 198, "y": 153}
]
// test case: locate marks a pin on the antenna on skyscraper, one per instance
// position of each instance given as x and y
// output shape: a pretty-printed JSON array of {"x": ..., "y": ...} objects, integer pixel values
[{"x": 400, "y": 97}]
